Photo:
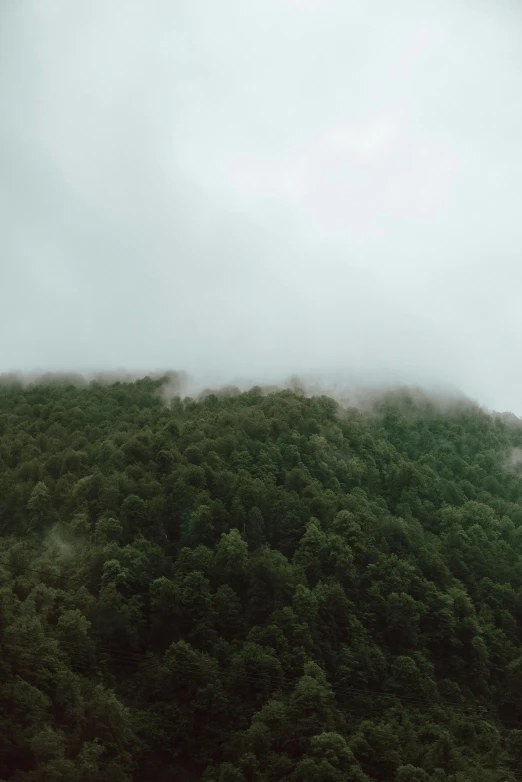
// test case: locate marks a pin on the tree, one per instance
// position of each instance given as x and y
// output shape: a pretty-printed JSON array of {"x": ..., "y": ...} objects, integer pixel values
[{"x": 39, "y": 505}]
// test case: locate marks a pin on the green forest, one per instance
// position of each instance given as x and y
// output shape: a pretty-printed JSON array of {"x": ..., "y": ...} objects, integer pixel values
[{"x": 257, "y": 586}]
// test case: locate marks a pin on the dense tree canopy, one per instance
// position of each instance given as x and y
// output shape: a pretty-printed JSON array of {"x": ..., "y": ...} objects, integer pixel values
[{"x": 255, "y": 587}]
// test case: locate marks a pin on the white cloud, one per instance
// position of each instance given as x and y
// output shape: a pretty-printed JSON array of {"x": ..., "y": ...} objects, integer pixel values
[{"x": 271, "y": 187}]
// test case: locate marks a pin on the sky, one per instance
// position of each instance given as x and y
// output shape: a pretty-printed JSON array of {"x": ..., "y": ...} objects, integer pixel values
[{"x": 259, "y": 189}]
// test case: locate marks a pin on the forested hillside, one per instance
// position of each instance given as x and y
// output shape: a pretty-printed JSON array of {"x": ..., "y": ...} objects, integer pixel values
[{"x": 257, "y": 587}]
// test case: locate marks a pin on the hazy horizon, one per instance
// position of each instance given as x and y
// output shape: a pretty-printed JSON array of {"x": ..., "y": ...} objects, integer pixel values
[{"x": 250, "y": 192}]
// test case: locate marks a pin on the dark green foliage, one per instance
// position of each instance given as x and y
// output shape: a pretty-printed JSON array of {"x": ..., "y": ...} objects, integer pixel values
[{"x": 255, "y": 588}]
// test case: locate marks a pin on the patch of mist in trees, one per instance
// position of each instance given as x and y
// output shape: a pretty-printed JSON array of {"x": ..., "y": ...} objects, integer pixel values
[
  {"x": 350, "y": 395},
  {"x": 61, "y": 543},
  {"x": 350, "y": 392},
  {"x": 175, "y": 381},
  {"x": 514, "y": 459},
  {"x": 509, "y": 419}
]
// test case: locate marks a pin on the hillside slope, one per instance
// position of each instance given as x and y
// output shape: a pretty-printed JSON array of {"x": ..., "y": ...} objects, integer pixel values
[{"x": 257, "y": 588}]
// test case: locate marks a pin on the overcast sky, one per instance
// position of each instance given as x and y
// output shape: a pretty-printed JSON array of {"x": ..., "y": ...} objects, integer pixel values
[{"x": 257, "y": 188}]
